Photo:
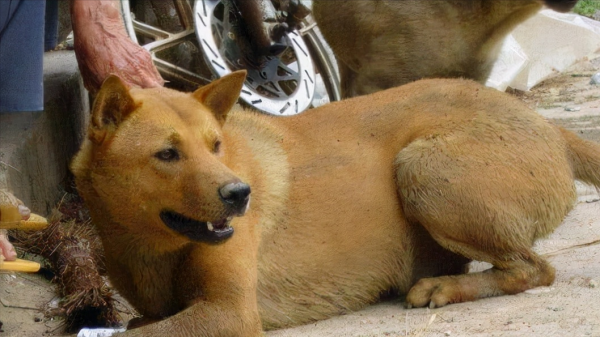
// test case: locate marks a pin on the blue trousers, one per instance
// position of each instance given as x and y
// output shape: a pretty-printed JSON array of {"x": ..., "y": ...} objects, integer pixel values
[{"x": 21, "y": 55}]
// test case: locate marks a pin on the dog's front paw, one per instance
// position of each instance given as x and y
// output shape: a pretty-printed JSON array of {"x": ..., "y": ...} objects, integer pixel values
[{"x": 437, "y": 292}]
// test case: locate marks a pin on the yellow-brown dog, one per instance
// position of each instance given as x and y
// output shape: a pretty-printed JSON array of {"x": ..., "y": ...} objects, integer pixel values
[
  {"x": 395, "y": 190},
  {"x": 381, "y": 44}
]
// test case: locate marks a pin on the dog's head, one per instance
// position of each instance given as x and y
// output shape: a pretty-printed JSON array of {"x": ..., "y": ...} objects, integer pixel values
[{"x": 155, "y": 161}]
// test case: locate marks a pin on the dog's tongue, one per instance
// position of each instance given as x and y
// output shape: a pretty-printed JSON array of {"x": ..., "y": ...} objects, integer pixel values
[{"x": 220, "y": 224}]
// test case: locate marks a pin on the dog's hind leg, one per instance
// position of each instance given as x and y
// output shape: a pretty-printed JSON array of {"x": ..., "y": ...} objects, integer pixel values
[
  {"x": 477, "y": 202},
  {"x": 506, "y": 277}
]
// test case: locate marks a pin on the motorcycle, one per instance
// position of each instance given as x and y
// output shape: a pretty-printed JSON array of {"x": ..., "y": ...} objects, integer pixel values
[{"x": 290, "y": 66}]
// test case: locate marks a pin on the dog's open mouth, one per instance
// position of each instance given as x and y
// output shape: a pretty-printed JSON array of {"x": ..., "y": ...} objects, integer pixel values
[{"x": 211, "y": 231}]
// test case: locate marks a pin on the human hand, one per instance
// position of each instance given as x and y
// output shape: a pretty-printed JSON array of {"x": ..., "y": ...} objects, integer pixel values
[
  {"x": 103, "y": 47},
  {"x": 11, "y": 209}
]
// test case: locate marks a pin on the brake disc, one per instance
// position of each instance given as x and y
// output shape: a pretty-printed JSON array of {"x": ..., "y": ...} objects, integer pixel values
[
  {"x": 283, "y": 86},
  {"x": 191, "y": 44}
]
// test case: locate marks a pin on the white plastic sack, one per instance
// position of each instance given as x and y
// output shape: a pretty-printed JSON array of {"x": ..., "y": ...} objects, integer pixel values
[
  {"x": 543, "y": 46},
  {"x": 99, "y": 332}
]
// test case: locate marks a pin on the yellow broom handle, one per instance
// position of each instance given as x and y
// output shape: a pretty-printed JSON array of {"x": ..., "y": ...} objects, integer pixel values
[
  {"x": 20, "y": 265},
  {"x": 35, "y": 222}
]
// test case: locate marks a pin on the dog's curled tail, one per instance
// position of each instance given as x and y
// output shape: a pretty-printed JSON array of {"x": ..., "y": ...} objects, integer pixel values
[{"x": 584, "y": 157}]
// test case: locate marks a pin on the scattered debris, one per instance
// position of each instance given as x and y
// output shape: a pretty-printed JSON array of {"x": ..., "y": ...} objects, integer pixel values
[
  {"x": 75, "y": 253},
  {"x": 539, "y": 290},
  {"x": 424, "y": 329}
]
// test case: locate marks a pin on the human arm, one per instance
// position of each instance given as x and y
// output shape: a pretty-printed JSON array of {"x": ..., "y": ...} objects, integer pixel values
[{"x": 103, "y": 47}]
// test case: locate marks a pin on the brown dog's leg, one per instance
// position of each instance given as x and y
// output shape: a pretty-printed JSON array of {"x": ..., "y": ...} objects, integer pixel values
[
  {"x": 504, "y": 278},
  {"x": 348, "y": 79},
  {"x": 479, "y": 203}
]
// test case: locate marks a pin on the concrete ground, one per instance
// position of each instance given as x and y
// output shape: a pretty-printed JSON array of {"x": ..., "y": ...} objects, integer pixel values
[{"x": 570, "y": 307}]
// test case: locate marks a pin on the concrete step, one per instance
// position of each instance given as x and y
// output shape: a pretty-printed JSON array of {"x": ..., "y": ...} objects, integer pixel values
[{"x": 36, "y": 147}]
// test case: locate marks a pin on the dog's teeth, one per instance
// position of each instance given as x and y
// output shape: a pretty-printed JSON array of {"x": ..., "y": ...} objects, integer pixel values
[{"x": 210, "y": 226}]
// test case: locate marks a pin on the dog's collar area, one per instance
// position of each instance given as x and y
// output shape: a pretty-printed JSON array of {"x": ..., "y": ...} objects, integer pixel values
[{"x": 210, "y": 232}]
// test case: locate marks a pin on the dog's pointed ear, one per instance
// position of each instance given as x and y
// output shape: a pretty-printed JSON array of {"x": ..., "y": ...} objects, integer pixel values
[
  {"x": 112, "y": 104},
  {"x": 220, "y": 96}
]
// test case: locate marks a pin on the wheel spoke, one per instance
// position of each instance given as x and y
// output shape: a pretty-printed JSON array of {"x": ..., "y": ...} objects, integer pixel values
[
  {"x": 178, "y": 72},
  {"x": 290, "y": 74},
  {"x": 278, "y": 87},
  {"x": 170, "y": 41},
  {"x": 186, "y": 15},
  {"x": 219, "y": 30},
  {"x": 149, "y": 31},
  {"x": 273, "y": 88}
]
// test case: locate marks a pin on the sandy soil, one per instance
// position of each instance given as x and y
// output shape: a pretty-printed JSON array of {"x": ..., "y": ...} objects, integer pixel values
[{"x": 570, "y": 307}]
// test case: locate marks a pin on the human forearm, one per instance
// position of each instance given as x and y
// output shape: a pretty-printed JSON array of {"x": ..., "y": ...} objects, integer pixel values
[{"x": 103, "y": 47}]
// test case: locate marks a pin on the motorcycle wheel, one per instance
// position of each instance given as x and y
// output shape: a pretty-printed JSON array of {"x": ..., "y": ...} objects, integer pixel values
[{"x": 188, "y": 41}]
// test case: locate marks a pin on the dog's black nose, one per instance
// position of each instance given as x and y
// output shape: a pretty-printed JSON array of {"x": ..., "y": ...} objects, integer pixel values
[{"x": 236, "y": 195}]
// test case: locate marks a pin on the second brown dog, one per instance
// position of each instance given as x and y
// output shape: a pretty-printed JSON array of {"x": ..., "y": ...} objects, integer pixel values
[{"x": 386, "y": 43}]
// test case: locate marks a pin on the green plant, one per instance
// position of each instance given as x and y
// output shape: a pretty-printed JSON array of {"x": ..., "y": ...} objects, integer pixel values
[{"x": 587, "y": 7}]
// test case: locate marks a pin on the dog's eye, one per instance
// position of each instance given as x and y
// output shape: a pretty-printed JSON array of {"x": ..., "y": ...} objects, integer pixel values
[
  {"x": 217, "y": 146},
  {"x": 168, "y": 155}
]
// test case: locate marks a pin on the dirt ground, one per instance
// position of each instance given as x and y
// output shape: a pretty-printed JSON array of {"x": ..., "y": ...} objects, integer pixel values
[{"x": 570, "y": 307}]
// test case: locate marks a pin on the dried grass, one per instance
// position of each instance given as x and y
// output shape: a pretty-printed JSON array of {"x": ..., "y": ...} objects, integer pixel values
[{"x": 74, "y": 251}]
